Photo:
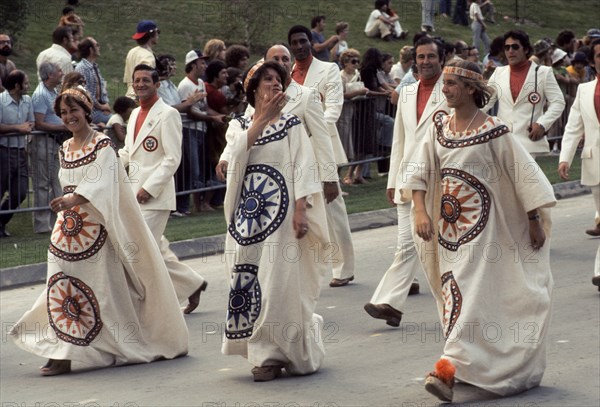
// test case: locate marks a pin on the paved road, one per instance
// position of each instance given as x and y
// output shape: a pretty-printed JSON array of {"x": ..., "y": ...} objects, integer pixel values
[{"x": 367, "y": 363}]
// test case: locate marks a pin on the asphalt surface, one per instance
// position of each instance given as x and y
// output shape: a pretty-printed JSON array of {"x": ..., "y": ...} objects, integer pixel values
[
  {"x": 367, "y": 362},
  {"x": 11, "y": 277}
]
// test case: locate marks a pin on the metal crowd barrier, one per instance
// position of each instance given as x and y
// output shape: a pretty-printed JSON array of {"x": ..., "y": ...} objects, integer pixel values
[
  {"x": 366, "y": 128},
  {"x": 362, "y": 127}
]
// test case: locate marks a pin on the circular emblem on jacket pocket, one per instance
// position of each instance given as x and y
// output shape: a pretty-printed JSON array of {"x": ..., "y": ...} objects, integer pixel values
[{"x": 150, "y": 144}]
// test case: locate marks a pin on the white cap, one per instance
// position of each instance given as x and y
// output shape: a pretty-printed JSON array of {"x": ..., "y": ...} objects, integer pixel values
[{"x": 192, "y": 56}]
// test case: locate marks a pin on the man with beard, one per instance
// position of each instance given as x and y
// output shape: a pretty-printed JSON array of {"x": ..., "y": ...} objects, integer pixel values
[{"x": 6, "y": 65}]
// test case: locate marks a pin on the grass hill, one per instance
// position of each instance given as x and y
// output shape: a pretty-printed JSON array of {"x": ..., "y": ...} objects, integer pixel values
[{"x": 187, "y": 24}]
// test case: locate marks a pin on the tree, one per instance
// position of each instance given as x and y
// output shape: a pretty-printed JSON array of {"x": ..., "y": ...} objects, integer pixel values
[{"x": 13, "y": 18}]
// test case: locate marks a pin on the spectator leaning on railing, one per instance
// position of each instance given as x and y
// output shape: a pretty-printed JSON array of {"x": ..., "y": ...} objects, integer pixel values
[
  {"x": 43, "y": 151},
  {"x": 16, "y": 121}
]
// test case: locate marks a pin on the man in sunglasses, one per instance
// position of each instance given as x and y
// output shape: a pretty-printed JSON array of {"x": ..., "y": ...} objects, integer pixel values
[
  {"x": 146, "y": 37},
  {"x": 522, "y": 89}
]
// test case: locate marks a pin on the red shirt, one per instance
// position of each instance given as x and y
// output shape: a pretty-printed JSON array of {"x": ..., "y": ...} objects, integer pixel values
[
  {"x": 425, "y": 88},
  {"x": 145, "y": 106},
  {"x": 215, "y": 99},
  {"x": 518, "y": 73},
  {"x": 301, "y": 69}
]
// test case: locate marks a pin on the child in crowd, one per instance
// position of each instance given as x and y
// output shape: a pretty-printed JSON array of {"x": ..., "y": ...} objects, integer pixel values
[{"x": 117, "y": 124}]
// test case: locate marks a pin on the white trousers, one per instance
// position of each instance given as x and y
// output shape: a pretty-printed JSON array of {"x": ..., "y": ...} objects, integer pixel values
[
  {"x": 185, "y": 280},
  {"x": 342, "y": 250},
  {"x": 394, "y": 286}
]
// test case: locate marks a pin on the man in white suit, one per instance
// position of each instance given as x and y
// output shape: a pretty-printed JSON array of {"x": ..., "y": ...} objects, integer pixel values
[
  {"x": 325, "y": 79},
  {"x": 522, "y": 89},
  {"x": 418, "y": 106},
  {"x": 305, "y": 104},
  {"x": 584, "y": 120},
  {"x": 153, "y": 151}
]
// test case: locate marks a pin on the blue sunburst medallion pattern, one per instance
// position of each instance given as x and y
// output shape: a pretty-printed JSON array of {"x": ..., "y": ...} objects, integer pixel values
[
  {"x": 263, "y": 205},
  {"x": 244, "y": 302}
]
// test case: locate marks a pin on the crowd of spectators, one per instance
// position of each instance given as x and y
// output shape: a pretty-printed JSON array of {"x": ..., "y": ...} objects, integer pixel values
[{"x": 212, "y": 91}]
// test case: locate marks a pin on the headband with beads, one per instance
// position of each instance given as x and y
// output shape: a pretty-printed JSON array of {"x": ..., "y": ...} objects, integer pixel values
[
  {"x": 455, "y": 70},
  {"x": 80, "y": 94},
  {"x": 251, "y": 72}
]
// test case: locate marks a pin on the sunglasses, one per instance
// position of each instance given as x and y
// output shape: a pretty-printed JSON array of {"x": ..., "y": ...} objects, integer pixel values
[
  {"x": 354, "y": 61},
  {"x": 514, "y": 47}
]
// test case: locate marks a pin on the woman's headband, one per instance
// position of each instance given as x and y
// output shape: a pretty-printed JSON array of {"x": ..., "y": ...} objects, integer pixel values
[
  {"x": 80, "y": 95},
  {"x": 455, "y": 70},
  {"x": 251, "y": 73}
]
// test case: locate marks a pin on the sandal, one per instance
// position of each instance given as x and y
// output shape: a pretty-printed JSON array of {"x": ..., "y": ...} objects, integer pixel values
[
  {"x": 56, "y": 367},
  {"x": 266, "y": 373},
  {"x": 347, "y": 181},
  {"x": 438, "y": 388},
  {"x": 441, "y": 382}
]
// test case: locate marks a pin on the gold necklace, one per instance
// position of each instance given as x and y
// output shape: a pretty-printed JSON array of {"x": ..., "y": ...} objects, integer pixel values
[
  {"x": 87, "y": 140},
  {"x": 468, "y": 125}
]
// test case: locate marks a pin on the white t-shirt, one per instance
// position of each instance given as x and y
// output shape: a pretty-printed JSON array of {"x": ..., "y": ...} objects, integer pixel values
[
  {"x": 397, "y": 72},
  {"x": 474, "y": 10},
  {"x": 115, "y": 119},
  {"x": 375, "y": 14},
  {"x": 185, "y": 89},
  {"x": 135, "y": 56}
]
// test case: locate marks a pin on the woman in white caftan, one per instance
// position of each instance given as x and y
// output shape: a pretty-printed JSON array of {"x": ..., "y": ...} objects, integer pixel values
[
  {"x": 270, "y": 318},
  {"x": 108, "y": 299},
  {"x": 489, "y": 268}
]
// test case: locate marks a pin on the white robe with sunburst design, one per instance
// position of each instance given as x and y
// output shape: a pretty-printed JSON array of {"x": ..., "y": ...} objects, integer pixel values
[
  {"x": 108, "y": 298},
  {"x": 492, "y": 289},
  {"x": 270, "y": 318}
]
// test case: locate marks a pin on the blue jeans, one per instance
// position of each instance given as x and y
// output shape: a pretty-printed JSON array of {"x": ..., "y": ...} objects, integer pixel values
[
  {"x": 190, "y": 174},
  {"x": 43, "y": 155},
  {"x": 479, "y": 35},
  {"x": 14, "y": 178},
  {"x": 446, "y": 7}
]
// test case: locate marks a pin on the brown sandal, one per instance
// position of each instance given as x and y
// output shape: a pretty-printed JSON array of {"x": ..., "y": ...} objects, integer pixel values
[
  {"x": 266, "y": 373},
  {"x": 56, "y": 367},
  {"x": 438, "y": 387}
]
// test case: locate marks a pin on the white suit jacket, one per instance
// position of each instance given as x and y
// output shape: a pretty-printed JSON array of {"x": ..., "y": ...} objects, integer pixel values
[
  {"x": 325, "y": 78},
  {"x": 306, "y": 105},
  {"x": 517, "y": 115},
  {"x": 155, "y": 155},
  {"x": 583, "y": 121},
  {"x": 408, "y": 132}
]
